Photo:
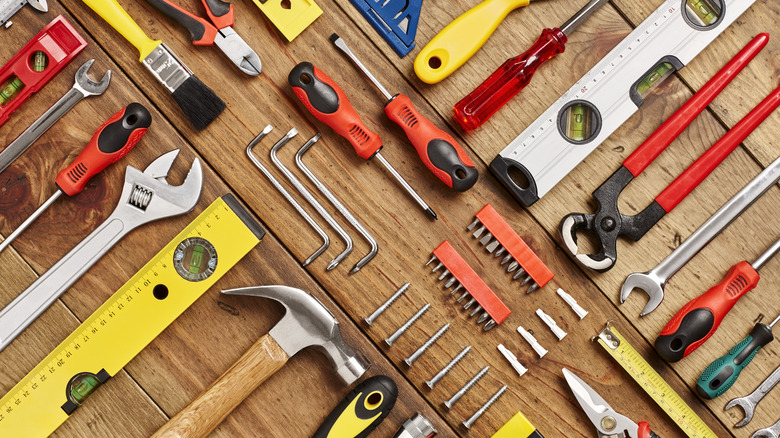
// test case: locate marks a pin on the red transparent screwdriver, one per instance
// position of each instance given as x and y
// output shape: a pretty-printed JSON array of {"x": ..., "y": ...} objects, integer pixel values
[
  {"x": 112, "y": 141},
  {"x": 476, "y": 108},
  {"x": 440, "y": 153}
]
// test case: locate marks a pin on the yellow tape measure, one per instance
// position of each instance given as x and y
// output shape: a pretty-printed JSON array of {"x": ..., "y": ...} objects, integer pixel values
[
  {"x": 128, "y": 321},
  {"x": 655, "y": 386}
]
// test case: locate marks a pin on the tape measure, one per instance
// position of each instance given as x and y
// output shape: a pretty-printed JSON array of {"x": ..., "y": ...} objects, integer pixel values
[
  {"x": 580, "y": 120},
  {"x": 655, "y": 386},
  {"x": 128, "y": 321}
]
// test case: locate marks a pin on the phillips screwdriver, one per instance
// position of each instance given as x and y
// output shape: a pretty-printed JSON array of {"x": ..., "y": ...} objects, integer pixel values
[
  {"x": 112, "y": 141},
  {"x": 440, "y": 153},
  {"x": 474, "y": 110},
  {"x": 721, "y": 374},
  {"x": 326, "y": 101},
  {"x": 696, "y": 321}
]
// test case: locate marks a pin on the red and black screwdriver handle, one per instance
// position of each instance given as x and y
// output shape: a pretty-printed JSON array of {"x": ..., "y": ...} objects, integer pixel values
[
  {"x": 695, "y": 322},
  {"x": 440, "y": 153},
  {"x": 326, "y": 101},
  {"x": 202, "y": 33},
  {"x": 112, "y": 141},
  {"x": 644, "y": 430}
]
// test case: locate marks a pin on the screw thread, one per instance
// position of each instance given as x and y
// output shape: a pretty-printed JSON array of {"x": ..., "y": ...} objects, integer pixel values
[
  {"x": 370, "y": 320},
  {"x": 484, "y": 408},
  {"x": 440, "y": 375},
  {"x": 416, "y": 355},
  {"x": 394, "y": 337},
  {"x": 449, "y": 403}
]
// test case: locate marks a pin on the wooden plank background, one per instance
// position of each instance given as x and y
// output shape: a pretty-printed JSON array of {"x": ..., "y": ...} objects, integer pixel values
[{"x": 207, "y": 339}]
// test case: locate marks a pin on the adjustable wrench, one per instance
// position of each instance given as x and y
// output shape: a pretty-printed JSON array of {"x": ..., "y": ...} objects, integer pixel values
[
  {"x": 146, "y": 197},
  {"x": 82, "y": 87},
  {"x": 654, "y": 281},
  {"x": 748, "y": 403},
  {"x": 9, "y": 7}
]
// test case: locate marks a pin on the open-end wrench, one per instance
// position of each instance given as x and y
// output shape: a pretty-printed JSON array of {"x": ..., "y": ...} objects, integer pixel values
[
  {"x": 770, "y": 432},
  {"x": 748, "y": 403},
  {"x": 146, "y": 197},
  {"x": 82, "y": 87},
  {"x": 654, "y": 281},
  {"x": 336, "y": 203}
]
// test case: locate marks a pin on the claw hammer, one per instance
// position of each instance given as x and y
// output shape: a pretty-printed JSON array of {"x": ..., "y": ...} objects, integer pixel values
[{"x": 306, "y": 323}]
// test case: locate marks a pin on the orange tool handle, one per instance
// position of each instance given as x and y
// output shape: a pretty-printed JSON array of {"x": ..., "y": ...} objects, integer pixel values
[
  {"x": 328, "y": 103},
  {"x": 112, "y": 141},
  {"x": 692, "y": 325},
  {"x": 474, "y": 110},
  {"x": 438, "y": 150},
  {"x": 222, "y": 14},
  {"x": 202, "y": 33}
]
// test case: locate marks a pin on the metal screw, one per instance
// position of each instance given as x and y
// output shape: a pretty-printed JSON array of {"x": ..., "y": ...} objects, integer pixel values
[
  {"x": 389, "y": 341},
  {"x": 416, "y": 355},
  {"x": 440, "y": 375},
  {"x": 370, "y": 320},
  {"x": 449, "y": 403},
  {"x": 484, "y": 408}
]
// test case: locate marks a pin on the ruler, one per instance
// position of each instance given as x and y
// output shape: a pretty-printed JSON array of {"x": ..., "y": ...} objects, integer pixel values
[
  {"x": 580, "y": 120},
  {"x": 128, "y": 321},
  {"x": 655, "y": 386}
]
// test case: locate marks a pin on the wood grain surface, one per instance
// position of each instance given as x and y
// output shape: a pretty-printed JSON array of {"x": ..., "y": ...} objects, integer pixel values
[{"x": 210, "y": 336}]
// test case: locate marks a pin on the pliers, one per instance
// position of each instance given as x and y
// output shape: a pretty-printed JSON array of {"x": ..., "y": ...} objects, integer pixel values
[
  {"x": 220, "y": 33},
  {"x": 609, "y": 423}
]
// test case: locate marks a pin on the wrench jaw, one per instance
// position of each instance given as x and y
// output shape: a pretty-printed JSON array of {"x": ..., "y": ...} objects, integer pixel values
[
  {"x": 747, "y": 408},
  {"x": 87, "y": 86},
  {"x": 146, "y": 198},
  {"x": 648, "y": 283},
  {"x": 577, "y": 222}
]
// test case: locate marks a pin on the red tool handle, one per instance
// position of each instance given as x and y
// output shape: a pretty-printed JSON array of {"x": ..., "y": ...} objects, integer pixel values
[
  {"x": 437, "y": 149},
  {"x": 474, "y": 110},
  {"x": 222, "y": 14},
  {"x": 695, "y": 174},
  {"x": 649, "y": 150},
  {"x": 202, "y": 33},
  {"x": 692, "y": 325},
  {"x": 644, "y": 430},
  {"x": 328, "y": 103},
  {"x": 110, "y": 142}
]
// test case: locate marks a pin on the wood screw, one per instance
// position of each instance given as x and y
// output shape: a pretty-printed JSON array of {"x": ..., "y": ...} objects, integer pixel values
[
  {"x": 449, "y": 403},
  {"x": 440, "y": 375},
  {"x": 416, "y": 355},
  {"x": 370, "y": 320},
  {"x": 484, "y": 408},
  {"x": 389, "y": 341}
]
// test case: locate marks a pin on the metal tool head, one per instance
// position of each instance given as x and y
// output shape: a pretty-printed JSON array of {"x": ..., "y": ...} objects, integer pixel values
[
  {"x": 770, "y": 432},
  {"x": 748, "y": 407},
  {"x": 238, "y": 51},
  {"x": 87, "y": 86},
  {"x": 308, "y": 323},
  {"x": 649, "y": 283},
  {"x": 147, "y": 196},
  {"x": 608, "y": 422},
  {"x": 574, "y": 223},
  {"x": 40, "y": 5}
]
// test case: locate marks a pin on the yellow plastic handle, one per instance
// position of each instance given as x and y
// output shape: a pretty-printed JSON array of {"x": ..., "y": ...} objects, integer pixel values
[
  {"x": 120, "y": 20},
  {"x": 458, "y": 42}
]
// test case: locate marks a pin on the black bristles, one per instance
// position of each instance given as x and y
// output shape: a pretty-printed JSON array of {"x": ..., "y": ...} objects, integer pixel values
[
  {"x": 334, "y": 37},
  {"x": 199, "y": 102}
]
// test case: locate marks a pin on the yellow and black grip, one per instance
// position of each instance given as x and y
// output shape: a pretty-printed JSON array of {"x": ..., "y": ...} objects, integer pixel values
[
  {"x": 361, "y": 411},
  {"x": 518, "y": 427}
]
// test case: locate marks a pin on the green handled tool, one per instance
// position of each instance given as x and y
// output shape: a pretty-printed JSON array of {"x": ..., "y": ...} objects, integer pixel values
[
  {"x": 361, "y": 411},
  {"x": 721, "y": 374}
]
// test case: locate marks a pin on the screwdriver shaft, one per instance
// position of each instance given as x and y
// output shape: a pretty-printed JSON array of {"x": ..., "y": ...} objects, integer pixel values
[
  {"x": 338, "y": 42},
  {"x": 406, "y": 185},
  {"x": 30, "y": 220},
  {"x": 766, "y": 255}
]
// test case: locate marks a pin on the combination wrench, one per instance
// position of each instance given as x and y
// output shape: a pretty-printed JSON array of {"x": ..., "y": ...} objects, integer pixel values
[
  {"x": 146, "y": 197},
  {"x": 770, "y": 432},
  {"x": 654, "y": 281},
  {"x": 82, "y": 87},
  {"x": 748, "y": 403}
]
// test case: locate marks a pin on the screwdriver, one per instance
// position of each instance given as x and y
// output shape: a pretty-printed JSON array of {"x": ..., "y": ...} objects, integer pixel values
[
  {"x": 474, "y": 110},
  {"x": 112, "y": 141},
  {"x": 440, "y": 153},
  {"x": 696, "y": 321},
  {"x": 721, "y": 374},
  {"x": 326, "y": 101}
]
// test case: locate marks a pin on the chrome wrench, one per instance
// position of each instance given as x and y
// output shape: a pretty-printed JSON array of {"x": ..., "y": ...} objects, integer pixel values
[
  {"x": 82, "y": 87},
  {"x": 748, "y": 403},
  {"x": 770, "y": 432},
  {"x": 654, "y": 281},
  {"x": 146, "y": 197}
]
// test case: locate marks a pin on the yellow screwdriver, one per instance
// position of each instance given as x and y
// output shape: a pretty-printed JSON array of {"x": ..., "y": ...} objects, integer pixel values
[{"x": 461, "y": 39}]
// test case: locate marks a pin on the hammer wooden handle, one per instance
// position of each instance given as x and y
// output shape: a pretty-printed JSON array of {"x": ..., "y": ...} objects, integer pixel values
[{"x": 260, "y": 362}]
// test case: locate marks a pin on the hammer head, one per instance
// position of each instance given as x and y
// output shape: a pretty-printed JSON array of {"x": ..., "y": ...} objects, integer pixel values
[{"x": 308, "y": 323}]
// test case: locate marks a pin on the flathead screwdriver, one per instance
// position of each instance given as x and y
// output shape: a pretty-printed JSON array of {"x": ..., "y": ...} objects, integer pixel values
[
  {"x": 440, "y": 153},
  {"x": 112, "y": 141},
  {"x": 474, "y": 109},
  {"x": 326, "y": 101},
  {"x": 698, "y": 320},
  {"x": 721, "y": 374}
]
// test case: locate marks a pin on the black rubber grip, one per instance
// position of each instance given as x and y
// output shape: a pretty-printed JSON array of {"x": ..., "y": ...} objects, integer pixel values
[
  {"x": 374, "y": 398},
  {"x": 321, "y": 95},
  {"x": 115, "y": 136},
  {"x": 194, "y": 25},
  {"x": 218, "y": 7},
  {"x": 694, "y": 326}
]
